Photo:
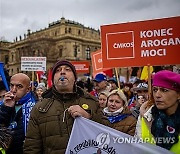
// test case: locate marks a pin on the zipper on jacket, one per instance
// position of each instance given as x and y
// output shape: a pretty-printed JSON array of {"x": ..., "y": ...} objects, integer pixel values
[
  {"x": 65, "y": 119},
  {"x": 59, "y": 121}
]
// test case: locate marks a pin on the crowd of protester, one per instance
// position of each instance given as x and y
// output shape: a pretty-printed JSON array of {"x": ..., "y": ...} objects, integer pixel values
[{"x": 40, "y": 121}]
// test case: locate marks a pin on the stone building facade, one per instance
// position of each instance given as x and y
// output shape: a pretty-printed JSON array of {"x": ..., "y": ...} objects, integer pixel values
[
  {"x": 63, "y": 39},
  {"x": 4, "y": 52}
]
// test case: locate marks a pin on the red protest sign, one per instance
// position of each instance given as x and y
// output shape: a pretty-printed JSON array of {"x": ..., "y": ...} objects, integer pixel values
[
  {"x": 152, "y": 42},
  {"x": 81, "y": 66},
  {"x": 97, "y": 65}
]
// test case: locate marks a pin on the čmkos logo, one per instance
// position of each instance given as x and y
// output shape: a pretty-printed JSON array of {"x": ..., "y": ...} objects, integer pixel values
[{"x": 121, "y": 45}]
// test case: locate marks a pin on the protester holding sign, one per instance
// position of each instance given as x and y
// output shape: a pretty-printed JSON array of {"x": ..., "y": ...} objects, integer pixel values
[
  {"x": 160, "y": 124},
  {"x": 118, "y": 114},
  {"x": 15, "y": 111},
  {"x": 52, "y": 119}
]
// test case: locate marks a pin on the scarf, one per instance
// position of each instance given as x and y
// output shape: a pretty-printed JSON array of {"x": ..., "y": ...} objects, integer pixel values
[
  {"x": 115, "y": 116},
  {"x": 164, "y": 126},
  {"x": 27, "y": 102}
]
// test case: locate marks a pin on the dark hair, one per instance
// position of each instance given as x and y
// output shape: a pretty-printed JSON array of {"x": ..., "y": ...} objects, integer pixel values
[
  {"x": 89, "y": 85},
  {"x": 2, "y": 86}
]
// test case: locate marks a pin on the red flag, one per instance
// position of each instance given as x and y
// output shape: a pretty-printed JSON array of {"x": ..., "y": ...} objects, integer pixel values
[
  {"x": 109, "y": 73},
  {"x": 49, "y": 81},
  {"x": 39, "y": 74}
]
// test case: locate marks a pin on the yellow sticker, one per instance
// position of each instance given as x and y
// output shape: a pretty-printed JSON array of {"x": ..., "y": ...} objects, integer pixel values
[{"x": 85, "y": 106}]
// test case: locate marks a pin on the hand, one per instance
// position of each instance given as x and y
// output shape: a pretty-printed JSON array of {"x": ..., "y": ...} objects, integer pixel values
[
  {"x": 9, "y": 99},
  {"x": 76, "y": 111},
  {"x": 141, "y": 100},
  {"x": 144, "y": 108}
]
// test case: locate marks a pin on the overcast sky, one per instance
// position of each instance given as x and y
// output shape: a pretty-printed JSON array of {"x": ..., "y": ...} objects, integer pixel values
[{"x": 16, "y": 16}]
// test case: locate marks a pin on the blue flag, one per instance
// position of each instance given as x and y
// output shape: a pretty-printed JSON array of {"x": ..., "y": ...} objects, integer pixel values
[{"x": 3, "y": 76}]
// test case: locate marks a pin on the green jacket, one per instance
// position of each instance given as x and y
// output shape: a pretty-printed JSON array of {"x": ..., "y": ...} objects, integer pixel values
[{"x": 47, "y": 133}]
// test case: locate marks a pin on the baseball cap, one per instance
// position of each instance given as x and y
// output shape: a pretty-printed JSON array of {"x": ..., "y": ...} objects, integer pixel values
[
  {"x": 141, "y": 86},
  {"x": 100, "y": 77},
  {"x": 113, "y": 80}
]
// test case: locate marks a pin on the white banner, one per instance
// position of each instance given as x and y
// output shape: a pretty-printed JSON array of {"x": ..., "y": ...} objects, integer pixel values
[
  {"x": 33, "y": 63},
  {"x": 89, "y": 137}
]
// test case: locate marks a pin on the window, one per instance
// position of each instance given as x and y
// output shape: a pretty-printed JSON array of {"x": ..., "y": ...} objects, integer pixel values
[
  {"x": 55, "y": 33},
  {"x": 88, "y": 57},
  {"x": 6, "y": 59},
  {"x": 79, "y": 32},
  {"x": 69, "y": 30},
  {"x": 60, "y": 51},
  {"x": 75, "y": 51}
]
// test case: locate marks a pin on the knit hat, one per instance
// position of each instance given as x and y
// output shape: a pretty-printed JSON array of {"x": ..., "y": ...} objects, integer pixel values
[
  {"x": 120, "y": 94},
  {"x": 63, "y": 62},
  {"x": 104, "y": 92},
  {"x": 41, "y": 86},
  {"x": 167, "y": 79}
]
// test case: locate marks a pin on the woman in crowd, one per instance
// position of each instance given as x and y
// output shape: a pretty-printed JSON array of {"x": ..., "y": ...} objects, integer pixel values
[
  {"x": 160, "y": 123},
  {"x": 118, "y": 114},
  {"x": 102, "y": 99},
  {"x": 39, "y": 90}
]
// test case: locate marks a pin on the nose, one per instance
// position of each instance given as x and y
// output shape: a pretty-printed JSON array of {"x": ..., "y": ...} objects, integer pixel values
[
  {"x": 158, "y": 93},
  {"x": 13, "y": 88},
  {"x": 112, "y": 102},
  {"x": 62, "y": 71}
]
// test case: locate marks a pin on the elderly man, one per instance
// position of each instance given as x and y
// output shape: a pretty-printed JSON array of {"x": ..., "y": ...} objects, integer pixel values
[
  {"x": 52, "y": 119},
  {"x": 100, "y": 84},
  {"x": 15, "y": 111}
]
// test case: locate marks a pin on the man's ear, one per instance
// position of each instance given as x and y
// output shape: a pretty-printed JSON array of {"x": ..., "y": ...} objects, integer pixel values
[{"x": 29, "y": 89}]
